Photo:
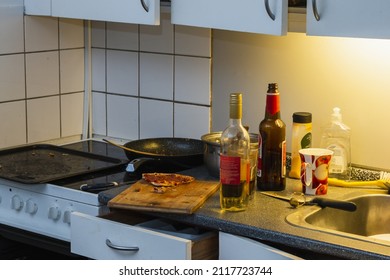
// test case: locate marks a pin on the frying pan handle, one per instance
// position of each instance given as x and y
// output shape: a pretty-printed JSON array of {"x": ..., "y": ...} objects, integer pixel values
[
  {"x": 136, "y": 163},
  {"x": 338, "y": 204}
]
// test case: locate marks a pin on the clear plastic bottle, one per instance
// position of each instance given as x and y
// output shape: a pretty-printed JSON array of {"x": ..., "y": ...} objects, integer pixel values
[
  {"x": 234, "y": 160},
  {"x": 336, "y": 136}
]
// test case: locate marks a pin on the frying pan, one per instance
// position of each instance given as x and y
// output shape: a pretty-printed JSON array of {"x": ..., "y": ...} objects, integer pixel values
[{"x": 183, "y": 153}]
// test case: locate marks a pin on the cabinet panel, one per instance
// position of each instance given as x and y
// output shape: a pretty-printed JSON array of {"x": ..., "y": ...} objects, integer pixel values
[
  {"x": 37, "y": 7},
  {"x": 232, "y": 247},
  {"x": 349, "y": 18},
  {"x": 247, "y": 16},
  {"x": 130, "y": 11}
]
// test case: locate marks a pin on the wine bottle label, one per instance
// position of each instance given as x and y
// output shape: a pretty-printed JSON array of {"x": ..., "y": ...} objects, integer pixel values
[
  {"x": 273, "y": 103},
  {"x": 230, "y": 170}
]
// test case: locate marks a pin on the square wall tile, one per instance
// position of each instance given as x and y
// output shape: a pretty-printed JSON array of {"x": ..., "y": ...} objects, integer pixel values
[
  {"x": 11, "y": 27},
  {"x": 13, "y": 131},
  {"x": 122, "y": 117},
  {"x": 43, "y": 119},
  {"x": 72, "y": 70},
  {"x": 122, "y": 36},
  {"x": 157, "y": 38},
  {"x": 42, "y": 74},
  {"x": 98, "y": 34},
  {"x": 98, "y": 69},
  {"x": 191, "y": 121},
  {"x": 122, "y": 72},
  {"x": 72, "y": 108},
  {"x": 192, "y": 41},
  {"x": 41, "y": 33},
  {"x": 156, "y": 118},
  {"x": 193, "y": 80},
  {"x": 99, "y": 113},
  {"x": 71, "y": 33},
  {"x": 12, "y": 85},
  {"x": 156, "y": 75}
]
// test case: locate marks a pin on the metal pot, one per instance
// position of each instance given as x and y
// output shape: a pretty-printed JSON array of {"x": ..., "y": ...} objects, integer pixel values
[{"x": 212, "y": 149}]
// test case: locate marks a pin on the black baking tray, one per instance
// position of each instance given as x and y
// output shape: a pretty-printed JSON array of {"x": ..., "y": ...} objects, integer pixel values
[{"x": 43, "y": 163}]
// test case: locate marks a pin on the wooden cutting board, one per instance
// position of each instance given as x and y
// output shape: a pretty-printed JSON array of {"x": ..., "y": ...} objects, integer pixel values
[{"x": 185, "y": 199}]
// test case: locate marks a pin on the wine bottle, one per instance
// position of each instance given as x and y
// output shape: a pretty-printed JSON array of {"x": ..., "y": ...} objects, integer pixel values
[
  {"x": 271, "y": 165},
  {"x": 234, "y": 160}
]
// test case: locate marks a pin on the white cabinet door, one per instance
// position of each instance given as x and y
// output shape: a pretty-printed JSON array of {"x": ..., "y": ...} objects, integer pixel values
[
  {"x": 349, "y": 18},
  {"x": 232, "y": 247},
  {"x": 37, "y": 7},
  {"x": 257, "y": 16},
  {"x": 127, "y": 11},
  {"x": 130, "y": 11}
]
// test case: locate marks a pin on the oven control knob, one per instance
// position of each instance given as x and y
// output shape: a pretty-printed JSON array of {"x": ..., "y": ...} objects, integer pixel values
[
  {"x": 54, "y": 213},
  {"x": 66, "y": 216},
  {"x": 31, "y": 207},
  {"x": 16, "y": 203}
]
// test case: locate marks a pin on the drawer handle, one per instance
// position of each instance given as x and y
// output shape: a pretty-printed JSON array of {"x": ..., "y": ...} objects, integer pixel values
[
  {"x": 146, "y": 8},
  {"x": 269, "y": 12},
  {"x": 315, "y": 10},
  {"x": 121, "y": 248}
]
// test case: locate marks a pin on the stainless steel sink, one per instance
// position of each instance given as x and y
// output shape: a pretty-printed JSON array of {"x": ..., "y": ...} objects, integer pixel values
[{"x": 370, "y": 222}]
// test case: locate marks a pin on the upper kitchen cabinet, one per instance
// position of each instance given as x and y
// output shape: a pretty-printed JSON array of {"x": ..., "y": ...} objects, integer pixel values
[
  {"x": 127, "y": 11},
  {"x": 348, "y": 18},
  {"x": 256, "y": 16}
]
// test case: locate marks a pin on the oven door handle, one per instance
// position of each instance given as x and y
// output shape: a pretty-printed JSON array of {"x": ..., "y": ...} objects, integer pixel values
[{"x": 121, "y": 248}]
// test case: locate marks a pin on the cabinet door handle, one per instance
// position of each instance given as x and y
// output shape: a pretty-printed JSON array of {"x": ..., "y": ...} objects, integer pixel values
[
  {"x": 268, "y": 9},
  {"x": 315, "y": 10},
  {"x": 121, "y": 248},
  {"x": 146, "y": 8}
]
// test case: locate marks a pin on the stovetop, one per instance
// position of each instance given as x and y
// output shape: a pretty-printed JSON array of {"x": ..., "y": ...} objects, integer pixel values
[{"x": 118, "y": 174}]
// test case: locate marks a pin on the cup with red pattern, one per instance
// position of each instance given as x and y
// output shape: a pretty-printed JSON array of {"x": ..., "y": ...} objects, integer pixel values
[{"x": 315, "y": 170}]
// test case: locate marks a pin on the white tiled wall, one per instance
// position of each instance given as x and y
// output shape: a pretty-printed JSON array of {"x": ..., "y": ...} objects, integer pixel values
[
  {"x": 41, "y": 76},
  {"x": 148, "y": 81},
  {"x": 151, "y": 81}
]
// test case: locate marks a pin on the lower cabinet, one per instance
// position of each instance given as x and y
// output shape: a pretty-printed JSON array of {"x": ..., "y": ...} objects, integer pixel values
[
  {"x": 129, "y": 236},
  {"x": 232, "y": 247}
]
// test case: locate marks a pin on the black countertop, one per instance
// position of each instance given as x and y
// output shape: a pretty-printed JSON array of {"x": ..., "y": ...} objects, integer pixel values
[{"x": 265, "y": 220}]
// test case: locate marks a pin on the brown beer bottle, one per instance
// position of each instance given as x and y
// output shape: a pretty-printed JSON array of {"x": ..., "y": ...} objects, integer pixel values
[{"x": 271, "y": 167}]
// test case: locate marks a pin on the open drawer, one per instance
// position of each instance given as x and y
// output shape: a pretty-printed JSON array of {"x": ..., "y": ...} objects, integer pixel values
[{"x": 127, "y": 235}]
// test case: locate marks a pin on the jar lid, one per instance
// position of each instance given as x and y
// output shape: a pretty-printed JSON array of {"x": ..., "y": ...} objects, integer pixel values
[{"x": 302, "y": 117}]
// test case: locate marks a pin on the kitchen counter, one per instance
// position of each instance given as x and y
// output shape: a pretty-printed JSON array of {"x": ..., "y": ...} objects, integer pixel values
[{"x": 265, "y": 221}]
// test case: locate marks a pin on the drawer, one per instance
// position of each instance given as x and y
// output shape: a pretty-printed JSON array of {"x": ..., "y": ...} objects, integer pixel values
[
  {"x": 126, "y": 237},
  {"x": 233, "y": 247}
]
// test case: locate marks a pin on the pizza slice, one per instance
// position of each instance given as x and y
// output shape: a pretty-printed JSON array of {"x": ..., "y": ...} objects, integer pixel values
[{"x": 167, "y": 179}]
